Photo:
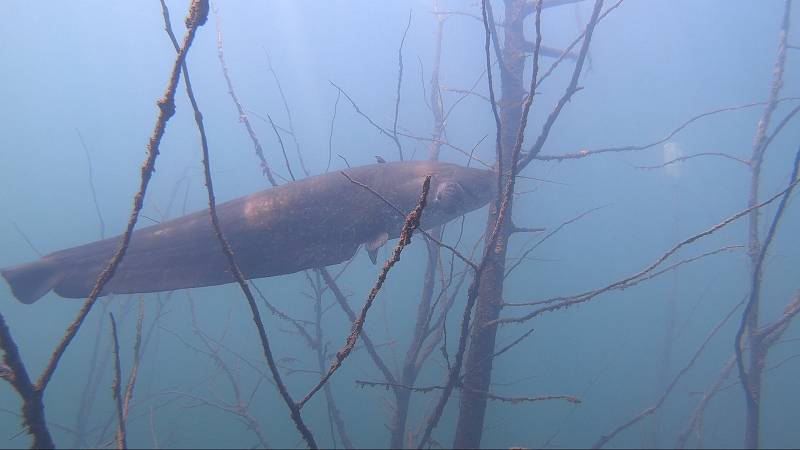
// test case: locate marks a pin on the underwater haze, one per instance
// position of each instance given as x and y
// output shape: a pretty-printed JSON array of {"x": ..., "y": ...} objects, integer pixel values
[{"x": 639, "y": 289}]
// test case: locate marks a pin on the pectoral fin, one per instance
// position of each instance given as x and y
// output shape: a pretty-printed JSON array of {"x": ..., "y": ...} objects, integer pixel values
[{"x": 374, "y": 244}]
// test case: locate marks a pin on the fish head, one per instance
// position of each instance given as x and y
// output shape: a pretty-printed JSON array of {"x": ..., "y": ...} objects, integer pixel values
[{"x": 455, "y": 191}]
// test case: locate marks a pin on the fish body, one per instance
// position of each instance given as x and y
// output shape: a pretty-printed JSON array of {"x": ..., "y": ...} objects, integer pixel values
[{"x": 310, "y": 223}]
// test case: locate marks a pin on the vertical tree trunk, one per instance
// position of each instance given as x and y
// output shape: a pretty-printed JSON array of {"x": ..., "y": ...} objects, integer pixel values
[
  {"x": 478, "y": 367},
  {"x": 758, "y": 352}
]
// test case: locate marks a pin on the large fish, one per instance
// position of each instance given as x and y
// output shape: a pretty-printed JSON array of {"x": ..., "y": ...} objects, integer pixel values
[{"x": 314, "y": 222}]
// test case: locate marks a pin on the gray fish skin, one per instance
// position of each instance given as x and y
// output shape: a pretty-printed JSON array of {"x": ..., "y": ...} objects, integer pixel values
[{"x": 310, "y": 223}]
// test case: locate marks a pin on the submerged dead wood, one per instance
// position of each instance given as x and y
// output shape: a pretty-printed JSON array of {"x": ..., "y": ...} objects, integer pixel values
[
  {"x": 412, "y": 222},
  {"x": 751, "y": 377},
  {"x": 234, "y": 267},
  {"x": 32, "y": 394},
  {"x": 511, "y": 122}
]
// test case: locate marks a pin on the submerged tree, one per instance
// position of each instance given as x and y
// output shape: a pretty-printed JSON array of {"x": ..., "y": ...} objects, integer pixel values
[{"x": 454, "y": 280}]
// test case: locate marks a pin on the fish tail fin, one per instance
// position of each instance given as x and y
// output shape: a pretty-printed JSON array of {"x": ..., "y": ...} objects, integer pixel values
[{"x": 29, "y": 282}]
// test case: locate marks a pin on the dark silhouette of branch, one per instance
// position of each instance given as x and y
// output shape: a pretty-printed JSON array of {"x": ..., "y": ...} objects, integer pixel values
[
  {"x": 97, "y": 373},
  {"x": 772, "y": 332},
  {"x": 283, "y": 149},
  {"x": 228, "y": 252},
  {"x": 91, "y": 186},
  {"x": 412, "y": 362},
  {"x": 235, "y": 410},
  {"x": 197, "y": 16},
  {"x": 697, "y": 415},
  {"x": 399, "y": 84},
  {"x": 435, "y": 103},
  {"x": 642, "y": 276},
  {"x": 137, "y": 355},
  {"x": 330, "y": 135},
  {"x": 443, "y": 142},
  {"x": 238, "y": 407},
  {"x": 466, "y": 92},
  {"x": 288, "y": 115},
  {"x": 501, "y": 204},
  {"x": 13, "y": 370},
  {"x": 115, "y": 387},
  {"x": 298, "y": 324},
  {"x": 633, "y": 148},
  {"x": 384, "y": 131},
  {"x": 400, "y": 212},
  {"x": 50, "y": 423},
  {"x": 567, "y": 52},
  {"x": 548, "y": 236},
  {"x": 488, "y": 34},
  {"x": 755, "y": 284},
  {"x": 651, "y": 409},
  {"x": 265, "y": 168},
  {"x": 571, "y": 89},
  {"x": 697, "y": 155},
  {"x": 563, "y": 302},
  {"x": 473, "y": 403},
  {"x": 351, "y": 315},
  {"x": 412, "y": 222},
  {"x": 489, "y": 395},
  {"x": 334, "y": 414},
  {"x": 26, "y": 239},
  {"x": 90, "y": 388},
  {"x": 751, "y": 379},
  {"x": 551, "y": 52}
]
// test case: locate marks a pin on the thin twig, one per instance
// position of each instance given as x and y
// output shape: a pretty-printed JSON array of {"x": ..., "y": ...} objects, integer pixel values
[
  {"x": 697, "y": 415},
  {"x": 265, "y": 168},
  {"x": 283, "y": 149},
  {"x": 197, "y": 16},
  {"x": 115, "y": 387},
  {"x": 400, "y": 212},
  {"x": 399, "y": 84},
  {"x": 90, "y": 387},
  {"x": 234, "y": 267},
  {"x": 412, "y": 222},
  {"x": 288, "y": 114},
  {"x": 548, "y": 236},
  {"x": 651, "y": 409},
  {"x": 442, "y": 142},
  {"x": 351, "y": 315},
  {"x": 492, "y": 100},
  {"x": 697, "y": 155},
  {"x": 26, "y": 239},
  {"x": 632, "y": 148},
  {"x": 567, "y": 52},
  {"x": 564, "y": 302},
  {"x": 384, "y": 131},
  {"x": 137, "y": 355},
  {"x": 330, "y": 135},
  {"x": 489, "y": 395},
  {"x": 751, "y": 380},
  {"x": 91, "y": 186},
  {"x": 571, "y": 89},
  {"x": 643, "y": 277},
  {"x": 334, "y": 415}
]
